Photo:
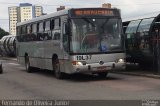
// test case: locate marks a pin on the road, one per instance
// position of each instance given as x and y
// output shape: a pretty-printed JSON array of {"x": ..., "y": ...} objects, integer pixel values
[{"x": 16, "y": 83}]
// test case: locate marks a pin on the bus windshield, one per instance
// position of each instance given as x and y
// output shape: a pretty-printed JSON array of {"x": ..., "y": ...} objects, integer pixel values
[{"x": 96, "y": 35}]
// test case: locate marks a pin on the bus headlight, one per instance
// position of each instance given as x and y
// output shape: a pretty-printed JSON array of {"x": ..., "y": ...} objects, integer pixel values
[
  {"x": 120, "y": 61},
  {"x": 77, "y": 63}
]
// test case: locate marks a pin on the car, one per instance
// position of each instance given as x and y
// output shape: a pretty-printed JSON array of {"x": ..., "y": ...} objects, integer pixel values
[{"x": 1, "y": 69}]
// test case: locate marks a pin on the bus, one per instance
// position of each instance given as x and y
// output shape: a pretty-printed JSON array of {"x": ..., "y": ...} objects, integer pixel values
[{"x": 77, "y": 40}]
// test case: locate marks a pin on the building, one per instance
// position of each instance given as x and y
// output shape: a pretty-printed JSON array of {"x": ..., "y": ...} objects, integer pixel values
[
  {"x": 60, "y": 8},
  {"x": 24, "y": 12},
  {"x": 106, "y": 5},
  {"x": 13, "y": 17}
]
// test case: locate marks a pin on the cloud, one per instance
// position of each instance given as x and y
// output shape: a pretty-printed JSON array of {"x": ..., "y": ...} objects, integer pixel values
[
  {"x": 130, "y": 8},
  {"x": 129, "y": 4}
]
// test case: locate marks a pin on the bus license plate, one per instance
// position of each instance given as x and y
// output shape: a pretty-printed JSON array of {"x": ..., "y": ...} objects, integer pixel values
[{"x": 102, "y": 68}]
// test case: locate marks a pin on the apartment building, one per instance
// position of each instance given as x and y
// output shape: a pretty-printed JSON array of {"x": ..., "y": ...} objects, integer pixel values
[
  {"x": 21, "y": 13},
  {"x": 13, "y": 17}
]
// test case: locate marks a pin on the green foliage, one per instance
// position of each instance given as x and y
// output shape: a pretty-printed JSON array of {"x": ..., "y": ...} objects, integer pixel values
[{"x": 3, "y": 33}]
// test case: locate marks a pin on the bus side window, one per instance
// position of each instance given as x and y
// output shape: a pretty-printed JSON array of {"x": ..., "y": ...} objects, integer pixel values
[
  {"x": 24, "y": 33},
  {"x": 47, "y": 29},
  {"x": 55, "y": 26},
  {"x": 40, "y": 31},
  {"x": 19, "y": 34},
  {"x": 57, "y": 23},
  {"x": 29, "y": 31},
  {"x": 56, "y": 35},
  {"x": 52, "y": 28},
  {"x": 34, "y": 32},
  {"x": 52, "y": 24}
]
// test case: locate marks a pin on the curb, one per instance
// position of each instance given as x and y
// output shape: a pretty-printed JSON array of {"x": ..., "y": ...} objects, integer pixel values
[
  {"x": 138, "y": 74},
  {"x": 7, "y": 58}
]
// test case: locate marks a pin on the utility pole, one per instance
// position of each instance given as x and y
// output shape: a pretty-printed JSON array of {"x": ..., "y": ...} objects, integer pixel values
[
  {"x": 156, "y": 46},
  {"x": 158, "y": 51},
  {"x": 1, "y": 69}
]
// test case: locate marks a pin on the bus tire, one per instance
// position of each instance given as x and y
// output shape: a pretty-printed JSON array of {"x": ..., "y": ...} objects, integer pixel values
[
  {"x": 1, "y": 69},
  {"x": 56, "y": 68},
  {"x": 103, "y": 74},
  {"x": 29, "y": 69}
]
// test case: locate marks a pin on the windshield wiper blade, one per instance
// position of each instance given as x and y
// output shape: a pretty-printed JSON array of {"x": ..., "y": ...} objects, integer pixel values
[
  {"x": 87, "y": 20},
  {"x": 104, "y": 23}
]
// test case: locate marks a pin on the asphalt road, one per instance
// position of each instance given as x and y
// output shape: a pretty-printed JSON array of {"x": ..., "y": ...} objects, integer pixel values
[{"x": 16, "y": 83}]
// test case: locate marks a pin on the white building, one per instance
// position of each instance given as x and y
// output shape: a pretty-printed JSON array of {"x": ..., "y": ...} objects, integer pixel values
[
  {"x": 24, "y": 12},
  {"x": 13, "y": 17}
]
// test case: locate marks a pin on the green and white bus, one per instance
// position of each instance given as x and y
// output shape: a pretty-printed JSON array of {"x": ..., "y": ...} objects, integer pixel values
[{"x": 82, "y": 40}]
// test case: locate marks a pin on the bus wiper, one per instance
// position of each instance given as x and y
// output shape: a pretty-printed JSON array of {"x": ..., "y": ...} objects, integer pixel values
[
  {"x": 104, "y": 23},
  {"x": 87, "y": 20}
]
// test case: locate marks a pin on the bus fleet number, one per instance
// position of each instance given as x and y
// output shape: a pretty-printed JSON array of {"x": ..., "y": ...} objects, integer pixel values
[{"x": 84, "y": 57}]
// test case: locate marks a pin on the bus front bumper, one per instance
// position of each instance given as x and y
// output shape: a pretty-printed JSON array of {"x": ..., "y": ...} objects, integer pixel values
[{"x": 96, "y": 67}]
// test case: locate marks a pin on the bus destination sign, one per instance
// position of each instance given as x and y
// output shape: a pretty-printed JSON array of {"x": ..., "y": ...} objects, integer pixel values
[{"x": 94, "y": 12}]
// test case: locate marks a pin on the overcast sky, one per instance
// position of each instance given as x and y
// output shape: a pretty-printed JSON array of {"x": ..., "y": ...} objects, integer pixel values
[{"x": 129, "y": 8}]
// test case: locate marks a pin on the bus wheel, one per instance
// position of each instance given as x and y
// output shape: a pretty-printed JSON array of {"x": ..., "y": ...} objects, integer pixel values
[
  {"x": 56, "y": 69},
  {"x": 1, "y": 69},
  {"x": 27, "y": 64},
  {"x": 102, "y": 74}
]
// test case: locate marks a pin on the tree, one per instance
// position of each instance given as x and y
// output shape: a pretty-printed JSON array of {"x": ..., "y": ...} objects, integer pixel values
[{"x": 3, "y": 33}]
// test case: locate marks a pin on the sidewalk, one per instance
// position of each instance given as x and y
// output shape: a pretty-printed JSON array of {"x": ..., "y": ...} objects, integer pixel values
[{"x": 135, "y": 70}]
